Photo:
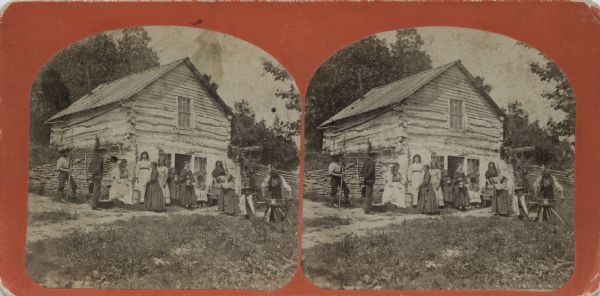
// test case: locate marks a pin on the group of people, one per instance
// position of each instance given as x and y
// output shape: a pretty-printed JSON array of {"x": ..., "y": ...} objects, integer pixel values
[{"x": 431, "y": 187}]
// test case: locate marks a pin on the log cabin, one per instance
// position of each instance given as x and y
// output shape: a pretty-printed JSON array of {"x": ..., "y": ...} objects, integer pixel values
[
  {"x": 441, "y": 113},
  {"x": 168, "y": 111}
]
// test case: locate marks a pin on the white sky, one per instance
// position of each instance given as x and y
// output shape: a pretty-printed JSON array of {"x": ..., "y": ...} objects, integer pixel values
[{"x": 498, "y": 59}]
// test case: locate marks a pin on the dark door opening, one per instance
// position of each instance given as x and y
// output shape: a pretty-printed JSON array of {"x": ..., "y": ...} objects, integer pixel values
[
  {"x": 453, "y": 163},
  {"x": 180, "y": 160}
]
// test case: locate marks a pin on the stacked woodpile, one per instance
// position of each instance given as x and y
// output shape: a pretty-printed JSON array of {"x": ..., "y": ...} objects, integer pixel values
[
  {"x": 318, "y": 181},
  {"x": 44, "y": 178}
]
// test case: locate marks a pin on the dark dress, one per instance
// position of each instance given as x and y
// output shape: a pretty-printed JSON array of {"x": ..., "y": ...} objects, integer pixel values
[
  {"x": 173, "y": 187},
  {"x": 185, "y": 192},
  {"x": 427, "y": 202},
  {"x": 154, "y": 199},
  {"x": 217, "y": 188},
  {"x": 501, "y": 203},
  {"x": 459, "y": 192},
  {"x": 446, "y": 184}
]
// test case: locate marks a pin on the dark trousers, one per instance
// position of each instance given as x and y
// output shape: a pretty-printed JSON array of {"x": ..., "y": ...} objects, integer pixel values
[
  {"x": 368, "y": 197},
  {"x": 97, "y": 190},
  {"x": 62, "y": 179},
  {"x": 335, "y": 183}
]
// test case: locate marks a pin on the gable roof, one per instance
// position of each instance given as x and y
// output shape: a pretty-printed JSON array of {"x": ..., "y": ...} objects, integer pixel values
[
  {"x": 124, "y": 88},
  {"x": 395, "y": 92}
]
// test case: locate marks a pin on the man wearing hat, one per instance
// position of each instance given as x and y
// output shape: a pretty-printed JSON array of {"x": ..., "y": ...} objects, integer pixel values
[
  {"x": 96, "y": 169},
  {"x": 335, "y": 171},
  {"x": 273, "y": 187},
  {"x": 63, "y": 166},
  {"x": 367, "y": 175}
]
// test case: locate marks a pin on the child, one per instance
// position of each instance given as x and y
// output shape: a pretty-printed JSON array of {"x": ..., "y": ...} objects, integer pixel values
[
  {"x": 201, "y": 194},
  {"x": 474, "y": 197}
]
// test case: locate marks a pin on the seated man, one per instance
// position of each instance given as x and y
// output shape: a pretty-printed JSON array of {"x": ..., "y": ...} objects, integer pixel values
[{"x": 275, "y": 188}]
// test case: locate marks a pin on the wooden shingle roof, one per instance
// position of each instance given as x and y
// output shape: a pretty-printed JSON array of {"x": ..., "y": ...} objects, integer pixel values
[
  {"x": 121, "y": 89},
  {"x": 395, "y": 92}
]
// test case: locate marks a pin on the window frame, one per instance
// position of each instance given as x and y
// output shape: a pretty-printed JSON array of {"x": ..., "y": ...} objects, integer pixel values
[
  {"x": 179, "y": 112},
  {"x": 462, "y": 114}
]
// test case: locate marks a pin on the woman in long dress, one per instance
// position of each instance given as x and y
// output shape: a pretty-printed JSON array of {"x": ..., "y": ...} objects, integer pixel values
[
  {"x": 163, "y": 179},
  {"x": 427, "y": 201},
  {"x": 393, "y": 190},
  {"x": 491, "y": 178},
  {"x": 460, "y": 193},
  {"x": 173, "y": 183},
  {"x": 415, "y": 175},
  {"x": 142, "y": 175},
  {"x": 219, "y": 174},
  {"x": 436, "y": 182},
  {"x": 121, "y": 188},
  {"x": 154, "y": 199},
  {"x": 187, "y": 198},
  {"x": 446, "y": 184},
  {"x": 502, "y": 202}
]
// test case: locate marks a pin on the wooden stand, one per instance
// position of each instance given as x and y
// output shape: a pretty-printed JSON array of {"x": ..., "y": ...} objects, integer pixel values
[
  {"x": 546, "y": 209},
  {"x": 277, "y": 209}
]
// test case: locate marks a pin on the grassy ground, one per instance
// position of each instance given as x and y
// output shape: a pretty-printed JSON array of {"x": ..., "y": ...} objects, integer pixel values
[
  {"x": 324, "y": 222},
  {"x": 174, "y": 252},
  {"x": 55, "y": 216},
  {"x": 447, "y": 253}
]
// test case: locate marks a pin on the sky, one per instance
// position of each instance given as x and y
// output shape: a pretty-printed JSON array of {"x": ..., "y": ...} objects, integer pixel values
[{"x": 498, "y": 59}]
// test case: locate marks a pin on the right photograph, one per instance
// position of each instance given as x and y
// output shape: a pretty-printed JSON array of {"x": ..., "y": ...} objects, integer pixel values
[{"x": 439, "y": 158}]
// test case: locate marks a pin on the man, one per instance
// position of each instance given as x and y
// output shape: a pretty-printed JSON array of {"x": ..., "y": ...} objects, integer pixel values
[
  {"x": 367, "y": 175},
  {"x": 273, "y": 187},
  {"x": 96, "y": 169},
  {"x": 545, "y": 184},
  {"x": 63, "y": 166},
  {"x": 336, "y": 173}
]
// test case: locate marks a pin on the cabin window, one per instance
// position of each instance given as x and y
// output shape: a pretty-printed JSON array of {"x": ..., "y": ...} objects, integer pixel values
[
  {"x": 456, "y": 114},
  {"x": 440, "y": 161},
  {"x": 200, "y": 169},
  {"x": 184, "y": 112},
  {"x": 473, "y": 173}
]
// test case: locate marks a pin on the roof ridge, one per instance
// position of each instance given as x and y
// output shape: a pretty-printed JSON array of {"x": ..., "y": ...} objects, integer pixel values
[{"x": 176, "y": 62}]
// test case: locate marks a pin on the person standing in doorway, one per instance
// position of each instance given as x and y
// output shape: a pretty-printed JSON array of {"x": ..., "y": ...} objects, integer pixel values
[
  {"x": 63, "y": 166},
  {"x": 97, "y": 171},
  {"x": 367, "y": 175},
  {"x": 336, "y": 174}
]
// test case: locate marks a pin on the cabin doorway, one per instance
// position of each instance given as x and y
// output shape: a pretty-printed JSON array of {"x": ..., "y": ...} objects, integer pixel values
[
  {"x": 453, "y": 163},
  {"x": 180, "y": 160}
]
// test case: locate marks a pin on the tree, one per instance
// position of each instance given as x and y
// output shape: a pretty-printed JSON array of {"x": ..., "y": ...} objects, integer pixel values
[
  {"x": 562, "y": 97},
  {"x": 480, "y": 81},
  {"x": 80, "y": 68},
  {"x": 290, "y": 95},
  {"x": 356, "y": 69},
  {"x": 279, "y": 150}
]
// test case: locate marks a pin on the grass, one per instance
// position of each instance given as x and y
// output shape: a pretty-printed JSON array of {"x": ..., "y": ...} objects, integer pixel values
[
  {"x": 325, "y": 222},
  {"x": 176, "y": 252},
  {"x": 55, "y": 216},
  {"x": 449, "y": 253}
]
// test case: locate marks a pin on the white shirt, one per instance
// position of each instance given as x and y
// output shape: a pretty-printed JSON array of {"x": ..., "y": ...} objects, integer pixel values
[{"x": 335, "y": 169}]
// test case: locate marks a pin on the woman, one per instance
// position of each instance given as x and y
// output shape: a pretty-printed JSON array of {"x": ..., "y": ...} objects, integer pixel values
[
  {"x": 187, "y": 198},
  {"x": 218, "y": 174},
  {"x": 460, "y": 193},
  {"x": 502, "y": 202},
  {"x": 230, "y": 199},
  {"x": 446, "y": 184},
  {"x": 173, "y": 183},
  {"x": 489, "y": 193},
  {"x": 427, "y": 202},
  {"x": 121, "y": 187},
  {"x": 436, "y": 182},
  {"x": 142, "y": 175},
  {"x": 393, "y": 190},
  {"x": 154, "y": 199},
  {"x": 415, "y": 175},
  {"x": 163, "y": 179}
]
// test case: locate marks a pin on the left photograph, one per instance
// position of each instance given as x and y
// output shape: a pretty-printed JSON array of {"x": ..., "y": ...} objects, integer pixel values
[{"x": 163, "y": 158}]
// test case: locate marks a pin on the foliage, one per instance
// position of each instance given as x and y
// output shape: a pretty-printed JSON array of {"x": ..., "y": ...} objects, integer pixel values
[
  {"x": 480, "y": 81},
  {"x": 550, "y": 149},
  {"x": 356, "y": 69},
  {"x": 279, "y": 149},
  {"x": 80, "y": 68},
  {"x": 451, "y": 253},
  {"x": 562, "y": 97},
  {"x": 178, "y": 252},
  {"x": 289, "y": 95}
]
